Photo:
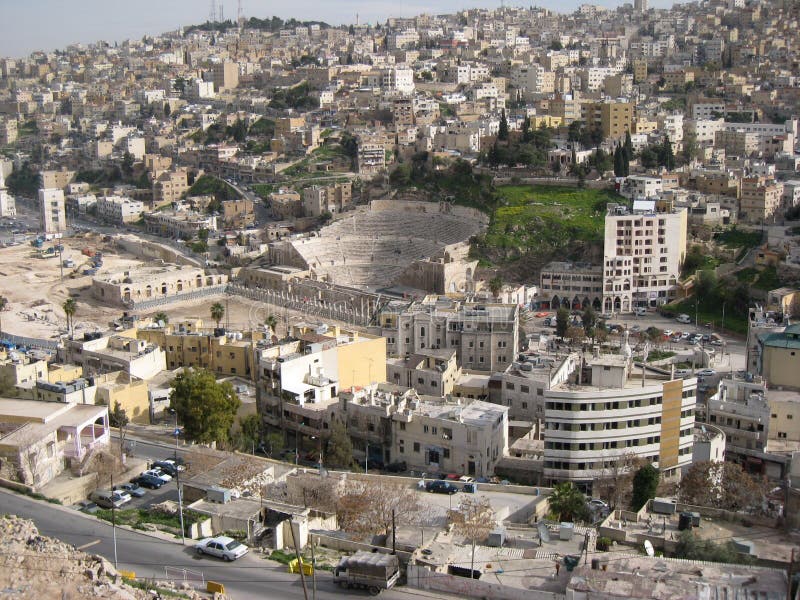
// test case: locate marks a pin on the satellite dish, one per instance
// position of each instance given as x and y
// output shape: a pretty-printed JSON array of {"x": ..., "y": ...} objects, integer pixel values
[{"x": 648, "y": 548}]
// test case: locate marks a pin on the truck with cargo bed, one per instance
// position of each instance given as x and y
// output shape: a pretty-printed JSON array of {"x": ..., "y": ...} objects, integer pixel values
[{"x": 372, "y": 571}]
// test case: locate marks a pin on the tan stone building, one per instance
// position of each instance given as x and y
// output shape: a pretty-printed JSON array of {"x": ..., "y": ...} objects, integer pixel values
[
  {"x": 57, "y": 179},
  {"x": 331, "y": 199},
  {"x": 613, "y": 118},
  {"x": 169, "y": 187},
  {"x": 225, "y": 76},
  {"x": 147, "y": 283},
  {"x": 761, "y": 199}
]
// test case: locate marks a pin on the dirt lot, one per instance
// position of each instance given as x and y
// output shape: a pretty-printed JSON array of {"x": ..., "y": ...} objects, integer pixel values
[{"x": 36, "y": 293}]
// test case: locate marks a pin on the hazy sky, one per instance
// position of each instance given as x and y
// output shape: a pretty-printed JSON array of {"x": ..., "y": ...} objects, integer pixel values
[{"x": 27, "y": 25}]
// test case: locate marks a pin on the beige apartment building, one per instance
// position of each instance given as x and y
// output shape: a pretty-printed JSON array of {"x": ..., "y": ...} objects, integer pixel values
[
  {"x": 761, "y": 199},
  {"x": 642, "y": 256},
  {"x": 328, "y": 199},
  {"x": 391, "y": 423},
  {"x": 738, "y": 143},
  {"x": 285, "y": 205},
  {"x": 613, "y": 118},
  {"x": 169, "y": 187},
  {"x": 225, "y": 76},
  {"x": 485, "y": 337},
  {"x": 57, "y": 179},
  {"x": 431, "y": 372}
]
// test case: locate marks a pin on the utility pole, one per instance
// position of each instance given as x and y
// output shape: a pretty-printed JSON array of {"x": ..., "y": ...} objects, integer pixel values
[
  {"x": 299, "y": 562},
  {"x": 313, "y": 571},
  {"x": 394, "y": 535},
  {"x": 180, "y": 502},
  {"x": 791, "y": 574},
  {"x": 114, "y": 520}
]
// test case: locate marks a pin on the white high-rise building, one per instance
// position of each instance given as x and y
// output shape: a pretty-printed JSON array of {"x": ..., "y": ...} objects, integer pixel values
[
  {"x": 8, "y": 206},
  {"x": 611, "y": 411},
  {"x": 53, "y": 213},
  {"x": 642, "y": 256}
]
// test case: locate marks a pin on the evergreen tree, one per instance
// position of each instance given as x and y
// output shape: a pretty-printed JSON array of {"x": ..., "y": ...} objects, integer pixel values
[
  {"x": 645, "y": 483},
  {"x": 628, "y": 146},
  {"x": 619, "y": 166},
  {"x": 502, "y": 134},
  {"x": 668, "y": 158}
]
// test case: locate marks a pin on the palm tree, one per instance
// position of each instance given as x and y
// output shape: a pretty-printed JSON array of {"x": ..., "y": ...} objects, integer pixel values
[
  {"x": 272, "y": 322},
  {"x": 162, "y": 317},
  {"x": 217, "y": 312},
  {"x": 70, "y": 306},
  {"x": 3, "y": 305},
  {"x": 567, "y": 502}
]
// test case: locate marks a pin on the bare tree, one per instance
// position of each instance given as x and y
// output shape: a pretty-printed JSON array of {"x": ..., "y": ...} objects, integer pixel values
[
  {"x": 474, "y": 519},
  {"x": 616, "y": 482},
  {"x": 367, "y": 507}
]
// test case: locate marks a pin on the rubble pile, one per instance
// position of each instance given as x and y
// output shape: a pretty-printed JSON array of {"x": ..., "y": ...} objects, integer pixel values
[{"x": 36, "y": 567}]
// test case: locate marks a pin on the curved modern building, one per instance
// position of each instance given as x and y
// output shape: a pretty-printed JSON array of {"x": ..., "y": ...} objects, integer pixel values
[{"x": 609, "y": 409}]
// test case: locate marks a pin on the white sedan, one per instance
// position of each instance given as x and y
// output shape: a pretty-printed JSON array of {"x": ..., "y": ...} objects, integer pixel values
[
  {"x": 160, "y": 474},
  {"x": 226, "y": 548}
]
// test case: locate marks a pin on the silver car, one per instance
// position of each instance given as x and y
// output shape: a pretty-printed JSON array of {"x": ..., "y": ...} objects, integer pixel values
[{"x": 226, "y": 548}]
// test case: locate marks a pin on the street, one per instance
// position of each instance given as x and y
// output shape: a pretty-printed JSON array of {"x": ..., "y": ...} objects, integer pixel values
[{"x": 250, "y": 577}]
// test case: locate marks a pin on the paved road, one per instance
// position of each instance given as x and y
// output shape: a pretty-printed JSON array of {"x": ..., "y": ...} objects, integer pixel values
[{"x": 251, "y": 577}]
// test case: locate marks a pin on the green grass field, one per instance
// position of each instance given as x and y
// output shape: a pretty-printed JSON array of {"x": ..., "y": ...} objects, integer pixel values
[{"x": 545, "y": 218}]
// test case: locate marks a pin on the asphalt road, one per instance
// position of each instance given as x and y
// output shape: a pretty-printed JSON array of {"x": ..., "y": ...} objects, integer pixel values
[{"x": 250, "y": 577}]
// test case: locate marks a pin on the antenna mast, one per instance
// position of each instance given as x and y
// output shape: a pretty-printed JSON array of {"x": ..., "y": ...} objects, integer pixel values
[
  {"x": 221, "y": 12},
  {"x": 212, "y": 13},
  {"x": 240, "y": 14}
]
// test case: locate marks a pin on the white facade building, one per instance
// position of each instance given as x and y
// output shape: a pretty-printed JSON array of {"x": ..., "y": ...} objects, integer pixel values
[
  {"x": 616, "y": 412},
  {"x": 52, "y": 210},
  {"x": 642, "y": 256},
  {"x": 119, "y": 210},
  {"x": 8, "y": 206}
]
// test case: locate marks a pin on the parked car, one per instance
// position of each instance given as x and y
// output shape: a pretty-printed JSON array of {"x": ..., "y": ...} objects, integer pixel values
[
  {"x": 636, "y": 328},
  {"x": 134, "y": 490},
  {"x": 110, "y": 498},
  {"x": 597, "y": 503},
  {"x": 685, "y": 319},
  {"x": 683, "y": 372},
  {"x": 226, "y": 548},
  {"x": 165, "y": 477},
  {"x": 168, "y": 467},
  {"x": 149, "y": 481},
  {"x": 86, "y": 506},
  {"x": 706, "y": 373},
  {"x": 640, "y": 311},
  {"x": 441, "y": 487}
]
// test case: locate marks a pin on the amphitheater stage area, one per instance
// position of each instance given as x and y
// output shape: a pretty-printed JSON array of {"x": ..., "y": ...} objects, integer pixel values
[{"x": 417, "y": 244}]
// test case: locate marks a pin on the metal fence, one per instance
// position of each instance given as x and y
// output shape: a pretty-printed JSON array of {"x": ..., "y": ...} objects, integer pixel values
[
  {"x": 338, "y": 311},
  {"x": 166, "y": 300},
  {"x": 28, "y": 342}
]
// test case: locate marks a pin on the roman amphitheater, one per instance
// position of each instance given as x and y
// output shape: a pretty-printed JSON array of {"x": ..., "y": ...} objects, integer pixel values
[{"x": 423, "y": 245}]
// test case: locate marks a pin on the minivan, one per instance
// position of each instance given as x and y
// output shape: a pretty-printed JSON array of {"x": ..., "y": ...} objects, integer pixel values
[
  {"x": 640, "y": 311},
  {"x": 685, "y": 319}
]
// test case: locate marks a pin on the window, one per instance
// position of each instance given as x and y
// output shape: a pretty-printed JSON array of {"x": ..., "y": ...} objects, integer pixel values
[
  {"x": 402, "y": 426},
  {"x": 416, "y": 446},
  {"x": 402, "y": 446},
  {"x": 524, "y": 389},
  {"x": 425, "y": 428},
  {"x": 434, "y": 430},
  {"x": 509, "y": 385},
  {"x": 446, "y": 453}
]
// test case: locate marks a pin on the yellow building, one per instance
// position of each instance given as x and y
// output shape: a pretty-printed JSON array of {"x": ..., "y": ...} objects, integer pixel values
[
  {"x": 57, "y": 373},
  {"x": 129, "y": 392},
  {"x": 188, "y": 344},
  {"x": 545, "y": 121},
  {"x": 613, "y": 118},
  {"x": 639, "y": 71},
  {"x": 780, "y": 356}
]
